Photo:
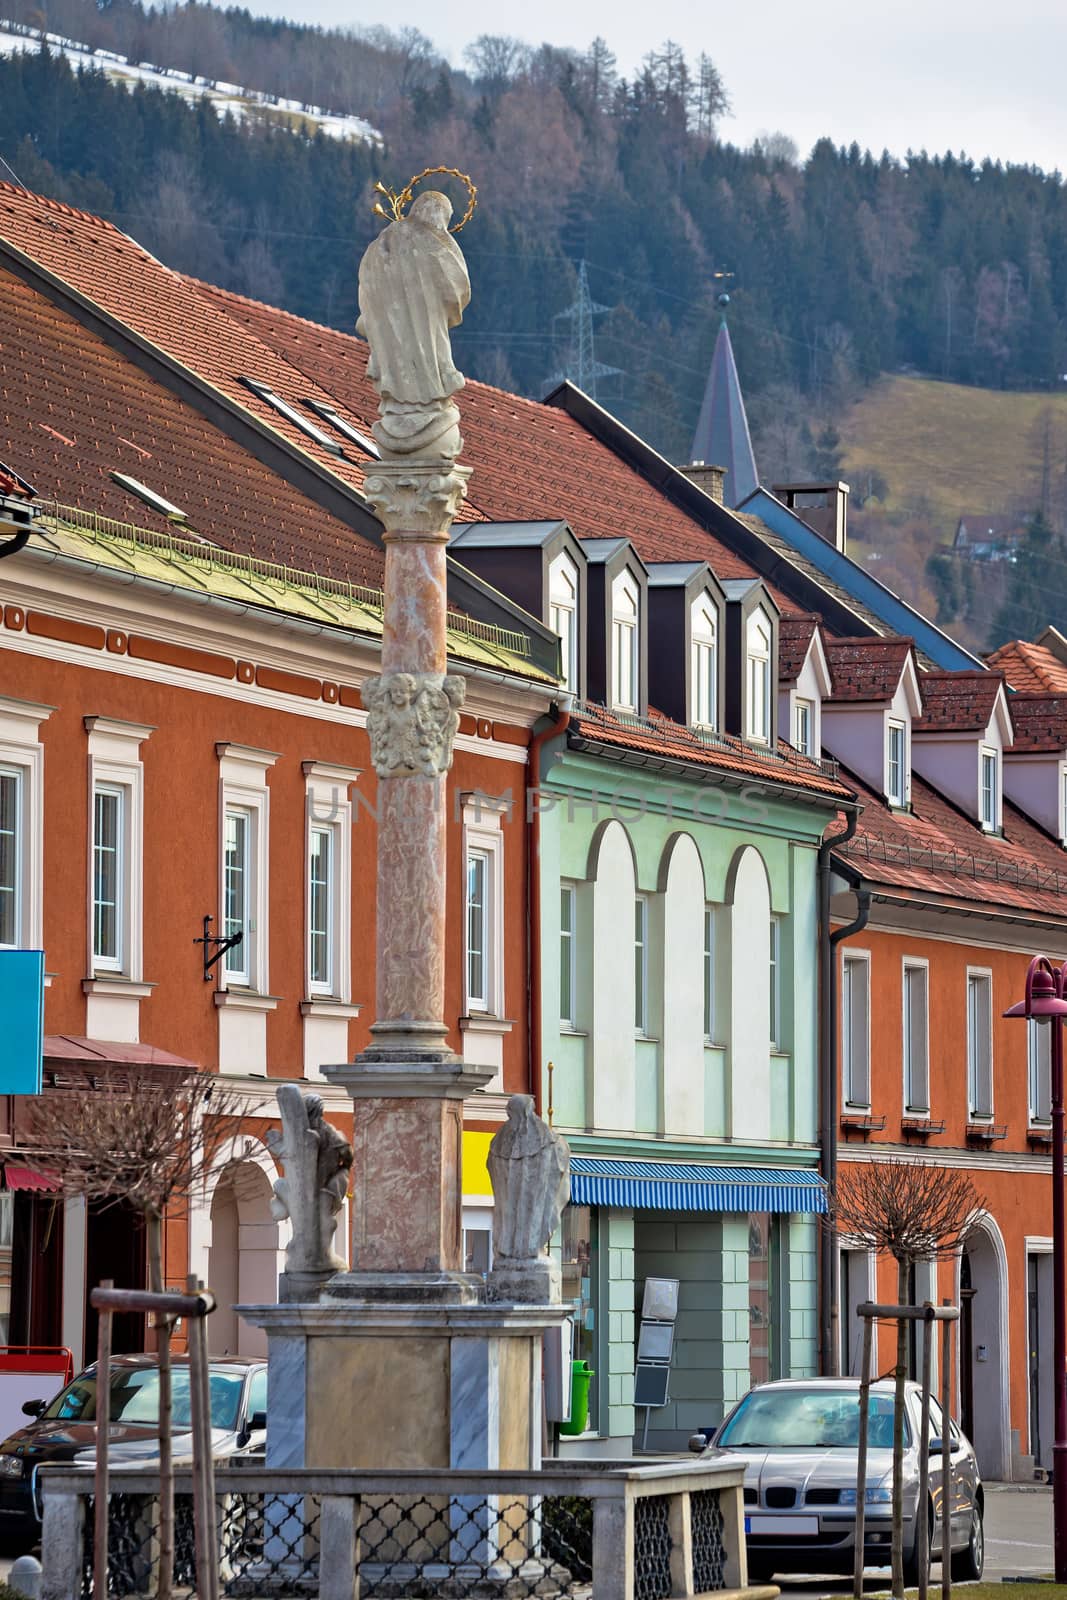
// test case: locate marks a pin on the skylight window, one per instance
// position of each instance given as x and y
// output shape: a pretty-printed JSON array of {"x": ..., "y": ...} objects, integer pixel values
[
  {"x": 149, "y": 496},
  {"x": 291, "y": 414},
  {"x": 344, "y": 427}
]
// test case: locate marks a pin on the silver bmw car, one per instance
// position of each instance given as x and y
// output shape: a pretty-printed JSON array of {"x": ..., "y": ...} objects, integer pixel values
[{"x": 799, "y": 1439}]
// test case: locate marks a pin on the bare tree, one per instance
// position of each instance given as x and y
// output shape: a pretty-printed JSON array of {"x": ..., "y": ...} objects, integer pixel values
[
  {"x": 145, "y": 1138},
  {"x": 912, "y": 1211}
]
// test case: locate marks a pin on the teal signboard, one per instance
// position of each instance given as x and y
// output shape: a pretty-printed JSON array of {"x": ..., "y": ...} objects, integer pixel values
[{"x": 21, "y": 1021}]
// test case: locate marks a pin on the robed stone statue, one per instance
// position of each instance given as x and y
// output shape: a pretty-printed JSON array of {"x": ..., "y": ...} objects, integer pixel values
[
  {"x": 529, "y": 1168},
  {"x": 413, "y": 287},
  {"x": 317, "y": 1161}
]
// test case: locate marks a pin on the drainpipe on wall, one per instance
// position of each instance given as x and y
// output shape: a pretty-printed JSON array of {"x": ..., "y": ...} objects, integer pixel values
[
  {"x": 829, "y": 1343},
  {"x": 561, "y": 722}
]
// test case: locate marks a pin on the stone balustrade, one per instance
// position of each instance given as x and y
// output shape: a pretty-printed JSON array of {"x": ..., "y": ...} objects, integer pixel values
[{"x": 577, "y": 1530}]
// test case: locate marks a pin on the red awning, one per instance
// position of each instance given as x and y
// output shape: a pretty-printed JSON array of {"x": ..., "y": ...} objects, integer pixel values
[
  {"x": 66, "y": 1048},
  {"x": 27, "y": 1178}
]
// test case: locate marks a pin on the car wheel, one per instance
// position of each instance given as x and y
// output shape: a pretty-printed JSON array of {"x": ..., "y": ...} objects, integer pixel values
[
  {"x": 968, "y": 1565},
  {"x": 759, "y": 1571}
]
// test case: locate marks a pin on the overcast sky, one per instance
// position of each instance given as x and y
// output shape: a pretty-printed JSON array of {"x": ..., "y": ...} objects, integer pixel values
[{"x": 988, "y": 78}]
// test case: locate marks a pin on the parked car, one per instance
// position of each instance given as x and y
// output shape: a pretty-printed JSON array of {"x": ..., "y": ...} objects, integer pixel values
[
  {"x": 799, "y": 1439},
  {"x": 64, "y": 1429}
]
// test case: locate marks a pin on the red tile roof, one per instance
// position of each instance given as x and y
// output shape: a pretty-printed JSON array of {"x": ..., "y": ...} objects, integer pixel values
[
  {"x": 866, "y": 669},
  {"x": 73, "y": 410},
  {"x": 531, "y": 462},
  {"x": 795, "y": 634},
  {"x": 1029, "y": 667},
  {"x": 958, "y": 702},
  {"x": 937, "y": 851},
  {"x": 656, "y": 735},
  {"x": 1040, "y": 722}
]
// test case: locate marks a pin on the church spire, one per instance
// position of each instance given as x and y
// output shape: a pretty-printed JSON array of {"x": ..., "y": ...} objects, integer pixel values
[{"x": 722, "y": 438}]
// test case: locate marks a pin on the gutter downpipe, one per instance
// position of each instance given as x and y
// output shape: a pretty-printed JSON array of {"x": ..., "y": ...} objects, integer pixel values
[
  {"x": 562, "y": 718},
  {"x": 829, "y": 1341}
]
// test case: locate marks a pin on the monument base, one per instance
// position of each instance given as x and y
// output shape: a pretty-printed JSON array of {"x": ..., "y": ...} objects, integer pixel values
[
  {"x": 363, "y": 1385},
  {"x": 536, "y": 1283}
]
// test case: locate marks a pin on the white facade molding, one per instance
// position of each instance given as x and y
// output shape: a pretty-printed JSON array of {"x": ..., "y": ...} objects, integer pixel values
[
  {"x": 22, "y": 754},
  {"x": 115, "y": 768},
  {"x": 243, "y": 792}
]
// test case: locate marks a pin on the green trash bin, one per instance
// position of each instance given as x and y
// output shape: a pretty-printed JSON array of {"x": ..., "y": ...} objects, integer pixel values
[{"x": 582, "y": 1376}]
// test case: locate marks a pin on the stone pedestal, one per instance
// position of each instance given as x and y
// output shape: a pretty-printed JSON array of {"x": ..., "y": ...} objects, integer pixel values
[{"x": 390, "y": 1387}]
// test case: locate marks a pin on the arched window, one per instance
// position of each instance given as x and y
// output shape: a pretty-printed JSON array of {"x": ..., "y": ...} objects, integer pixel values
[
  {"x": 758, "y": 666},
  {"x": 705, "y": 669},
  {"x": 625, "y": 617},
  {"x": 563, "y": 615}
]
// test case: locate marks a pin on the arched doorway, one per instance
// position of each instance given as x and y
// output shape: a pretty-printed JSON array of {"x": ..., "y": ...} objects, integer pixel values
[
  {"x": 242, "y": 1257},
  {"x": 984, "y": 1358}
]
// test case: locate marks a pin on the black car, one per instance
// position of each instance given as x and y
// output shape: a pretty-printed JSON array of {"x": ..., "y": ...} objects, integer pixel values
[{"x": 64, "y": 1429}]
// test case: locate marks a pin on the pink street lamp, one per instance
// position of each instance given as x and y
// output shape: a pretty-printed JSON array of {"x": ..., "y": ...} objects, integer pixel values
[{"x": 1044, "y": 1003}]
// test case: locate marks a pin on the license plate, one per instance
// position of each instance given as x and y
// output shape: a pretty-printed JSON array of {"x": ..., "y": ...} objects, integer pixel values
[{"x": 800, "y": 1527}]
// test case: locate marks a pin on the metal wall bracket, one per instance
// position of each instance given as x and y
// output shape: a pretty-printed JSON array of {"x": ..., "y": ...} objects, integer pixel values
[{"x": 213, "y": 941}]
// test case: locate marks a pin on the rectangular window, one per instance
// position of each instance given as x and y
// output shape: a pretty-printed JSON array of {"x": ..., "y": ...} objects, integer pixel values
[
  {"x": 855, "y": 1032},
  {"x": 804, "y": 727},
  {"x": 916, "y": 1039},
  {"x": 110, "y": 873},
  {"x": 321, "y": 911},
  {"x": 897, "y": 774},
  {"x": 980, "y": 1044},
  {"x": 625, "y": 644},
  {"x": 641, "y": 964},
  {"x": 561, "y": 621},
  {"x": 12, "y": 851},
  {"x": 1039, "y": 1064},
  {"x": 988, "y": 797},
  {"x": 759, "y": 698},
  {"x": 709, "y": 972},
  {"x": 776, "y": 982},
  {"x": 704, "y": 688},
  {"x": 1063, "y": 807},
  {"x": 478, "y": 935},
  {"x": 237, "y": 896},
  {"x": 567, "y": 952}
]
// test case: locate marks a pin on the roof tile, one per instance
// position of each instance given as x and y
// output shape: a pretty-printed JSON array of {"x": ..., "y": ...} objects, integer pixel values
[
  {"x": 1029, "y": 667},
  {"x": 958, "y": 702},
  {"x": 1040, "y": 722},
  {"x": 866, "y": 669}
]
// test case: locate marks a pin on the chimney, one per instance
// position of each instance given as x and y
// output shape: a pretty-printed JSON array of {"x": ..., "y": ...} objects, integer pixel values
[
  {"x": 823, "y": 506},
  {"x": 708, "y": 478}
]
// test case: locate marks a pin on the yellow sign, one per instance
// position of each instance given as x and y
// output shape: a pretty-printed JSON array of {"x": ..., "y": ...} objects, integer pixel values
[{"x": 475, "y": 1172}]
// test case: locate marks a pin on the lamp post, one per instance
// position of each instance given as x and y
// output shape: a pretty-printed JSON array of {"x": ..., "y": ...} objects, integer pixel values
[{"x": 1044, "y": 1003}]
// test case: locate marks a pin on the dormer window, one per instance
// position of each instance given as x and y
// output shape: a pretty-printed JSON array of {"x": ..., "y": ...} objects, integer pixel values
[
  {"x": 804, "y": 727},
  {"x": 989, "y": 791},
  {"x": 1063, "y": 805},
  {"x": 563, "y": 615},
  {"x": 705, "y": 701},
  {"x": 896, "y": 786},
  {"x": 758, "y": 664},
  {"x": 624, "y": 624}
]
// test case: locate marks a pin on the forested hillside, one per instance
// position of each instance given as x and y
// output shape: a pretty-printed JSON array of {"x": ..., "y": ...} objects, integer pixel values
[{"x": 844, "y": 266}]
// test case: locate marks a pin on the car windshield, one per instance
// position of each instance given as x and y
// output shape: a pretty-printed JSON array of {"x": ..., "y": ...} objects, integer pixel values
[
  {"x": 135, "y": 1398},
  {"x": 809, "y": 1419}
]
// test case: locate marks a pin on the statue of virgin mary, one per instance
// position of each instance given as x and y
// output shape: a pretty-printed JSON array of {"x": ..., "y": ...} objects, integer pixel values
[{"x": 413, "y": 287}]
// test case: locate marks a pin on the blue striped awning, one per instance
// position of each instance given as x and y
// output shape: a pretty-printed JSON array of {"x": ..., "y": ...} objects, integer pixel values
[{"x": 692, "y": 1186}]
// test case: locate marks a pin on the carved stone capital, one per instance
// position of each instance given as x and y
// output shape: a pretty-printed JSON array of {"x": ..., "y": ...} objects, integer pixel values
[
  {"x": 416, "y": 497},
  {"x": 412, "y": 718}
]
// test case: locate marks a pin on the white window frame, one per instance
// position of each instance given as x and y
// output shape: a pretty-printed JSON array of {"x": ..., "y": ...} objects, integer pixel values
[
  {"x": 804, "y": 710},
  {"x": 988, "y": 813},
  {"x": 22, "y": 753},
  {"x": 113, "y": 961},
  {"x": 328, "y": 808},
  {"x": 115, "y": 767},
  {"x": 483, "y": 837},
  {"x": 774, "y": 956},
  {"x": 1039, "y": 1071},
  {"x": 897, "y": 793},
  {"x": 19, "y": 778},
  {"x": 1063, "y": 805},
  {"x": 243, "y": 788},
  {"x": 855, "y": 1031},
  {"x": 709, "y": 971},
  {"x": 568, "y": 954},
  {"x": 758, "y": 676},
  {"x": 641, "y": 995},
  {"x": 704, "y": 664},
  {"x": 979, "y": 1046},
  {"x": 625, "y": 643},
  {"x": 563, "y": 597},
  {"x": 915, "y": 1035}
]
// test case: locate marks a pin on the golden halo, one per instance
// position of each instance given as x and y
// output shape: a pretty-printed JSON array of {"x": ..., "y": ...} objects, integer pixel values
[{"x": 398, "y": 203}]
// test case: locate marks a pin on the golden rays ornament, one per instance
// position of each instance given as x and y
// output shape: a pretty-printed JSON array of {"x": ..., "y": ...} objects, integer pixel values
[{"x": 396, "y": 204}]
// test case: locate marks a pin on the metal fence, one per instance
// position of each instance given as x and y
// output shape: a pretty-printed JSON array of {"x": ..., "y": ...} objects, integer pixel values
[{"x": 574, "y": 1529}]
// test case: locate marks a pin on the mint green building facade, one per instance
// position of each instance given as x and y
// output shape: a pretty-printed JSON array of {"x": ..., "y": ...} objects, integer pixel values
[{"x": 679, "y": 996}]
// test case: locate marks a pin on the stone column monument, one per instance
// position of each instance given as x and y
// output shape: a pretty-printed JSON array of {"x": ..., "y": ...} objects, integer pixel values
[{"x": 402, "y": 1361}]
